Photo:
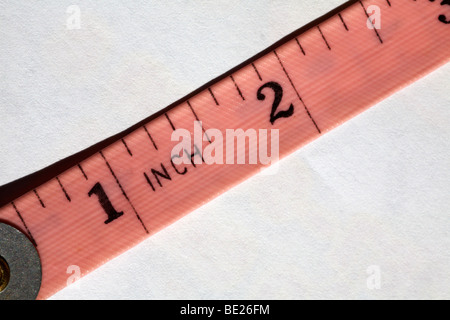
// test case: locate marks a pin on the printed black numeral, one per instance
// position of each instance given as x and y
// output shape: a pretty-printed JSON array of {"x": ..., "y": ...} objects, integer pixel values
[
  {"x": 112, "y": 213},
  {"x": 278, "y": 90},
  {"x": 442, "y": 18}
]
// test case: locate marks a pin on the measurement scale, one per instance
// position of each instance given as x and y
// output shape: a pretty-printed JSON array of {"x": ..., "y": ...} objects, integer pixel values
[{"x": 132, "y": 189}]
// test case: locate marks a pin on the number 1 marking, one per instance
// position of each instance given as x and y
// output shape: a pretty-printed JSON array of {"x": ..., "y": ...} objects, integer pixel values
[{"x": 112, "y": 213}]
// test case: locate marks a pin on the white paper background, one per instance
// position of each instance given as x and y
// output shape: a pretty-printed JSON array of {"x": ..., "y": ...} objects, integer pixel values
[{"x": 374, "y": 192}]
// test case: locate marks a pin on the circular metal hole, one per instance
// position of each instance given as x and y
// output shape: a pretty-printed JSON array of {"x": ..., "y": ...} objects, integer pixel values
[
  {"x": 4, "y": 274},
  {"x": 20, "y": 266}
]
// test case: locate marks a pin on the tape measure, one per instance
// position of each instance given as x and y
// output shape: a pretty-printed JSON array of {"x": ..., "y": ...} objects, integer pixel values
[{"x": 303, "y": 86}]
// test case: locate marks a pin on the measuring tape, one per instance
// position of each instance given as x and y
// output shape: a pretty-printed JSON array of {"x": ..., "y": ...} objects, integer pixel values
[{"x": 304, "y": 86}]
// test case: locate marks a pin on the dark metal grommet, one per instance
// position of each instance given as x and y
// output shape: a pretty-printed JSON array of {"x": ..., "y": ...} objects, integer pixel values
[{"x": 20, "y": 266}]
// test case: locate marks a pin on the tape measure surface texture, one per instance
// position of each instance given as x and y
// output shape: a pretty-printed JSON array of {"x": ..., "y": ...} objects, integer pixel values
[{"x": 329, "y": 74}]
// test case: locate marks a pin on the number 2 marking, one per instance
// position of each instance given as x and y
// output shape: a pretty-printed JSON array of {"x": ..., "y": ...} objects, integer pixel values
[
  {"x": 278, "y": 90},
  {"x": 442, "y": 18}
]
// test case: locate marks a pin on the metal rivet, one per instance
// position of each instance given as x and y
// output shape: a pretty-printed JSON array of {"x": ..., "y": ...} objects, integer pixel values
[
  {"x": 20, "y": 266},
  {"x": 4, "y": 274}
]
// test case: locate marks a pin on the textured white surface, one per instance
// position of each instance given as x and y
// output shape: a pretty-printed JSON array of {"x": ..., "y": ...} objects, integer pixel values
[{"x": 374, "y": 192}]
